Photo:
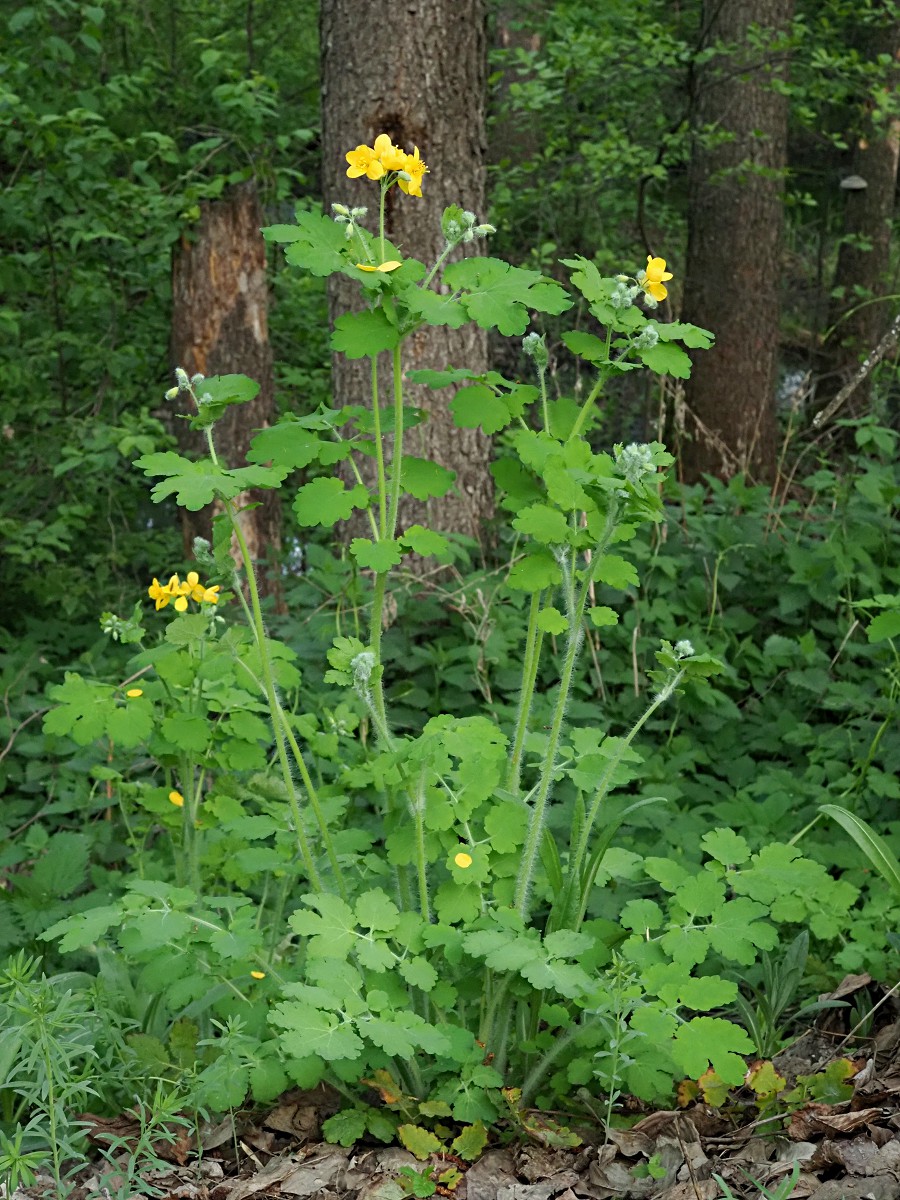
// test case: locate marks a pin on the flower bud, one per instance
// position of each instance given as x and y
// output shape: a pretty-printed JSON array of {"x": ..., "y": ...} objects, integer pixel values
[
  {"x": 535, "y": 347},
  {"x": 684, "y": 649},
  {"x": 181, "y": 377},
  {"x": 172, "y": 393}
]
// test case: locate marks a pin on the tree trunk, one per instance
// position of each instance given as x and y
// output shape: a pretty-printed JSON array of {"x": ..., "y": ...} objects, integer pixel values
[
  {"x": 220, "y": 327},
  {"x": 857, "y": 323},
  {"x": 415, "y": 71},
  {"x": 735, "y": 217}
]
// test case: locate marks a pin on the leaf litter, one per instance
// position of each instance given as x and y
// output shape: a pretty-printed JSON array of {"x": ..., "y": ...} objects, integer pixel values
[{"x": 848, "y": 1149}]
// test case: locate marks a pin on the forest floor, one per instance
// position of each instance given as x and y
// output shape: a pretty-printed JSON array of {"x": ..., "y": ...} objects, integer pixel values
[{"x": 847, "y": 1150}]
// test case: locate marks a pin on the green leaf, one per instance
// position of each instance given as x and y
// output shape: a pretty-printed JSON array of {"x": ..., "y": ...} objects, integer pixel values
[
  {"x": 433, "y": 308},
  {"x": 317, "y": 242},
  {"x": 712, "y": 1041},
  {"x": 418, "y": 972},
  {"x": 130, "y": 724},
  {"x": 691, "y": 335},
  {"x": 665, "y": 358},
  {"x": 726, "y": 846},
  {"x": 187, "y": 731},
  {"x": 196, "y": 484},
  {"x": 545, "y": 524},
  {"x": 84, "y": 708},
  {"x": 535, "y": 571},
  {"x": 885, "y": 625},
  {"x": 439, "y": 379},
  {"x": 479, "y": 405},
  {"x": 418, "y": 1141},
  {"x": 327, "y": 500},
  {"x": 83, "y": 929},
  {"x": 309, "y": 1031},
  {"x": 345, "y": 1127},
  {"x": 602, "y": 615},
  {"x": 470, "y": 1142},
  {"x": 288, "y": 445},
  {"x": 872, "y": 844},
  {"x": 552, "y": 621},
  {"x": 333, "y": 928},
  {"x": 363, "y": 334},
  {"x": 498, "y": 296},
  {"x": 376, "y": 556},
  {"x": 425, "y": 541},
  {"x": 615, "y": 571},
  {"x": 586, "y": 346},
  {"x": 424, "y": 479},
  {"x": 217, "y": 392}
]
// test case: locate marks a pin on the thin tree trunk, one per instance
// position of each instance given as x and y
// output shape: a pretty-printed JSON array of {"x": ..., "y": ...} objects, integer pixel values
[
  {"x": 858, "y": 319},
  {"x": 220, "y": 327},
  {"x": 415, "y": 71},
  {"x": 736, "y": 184}
]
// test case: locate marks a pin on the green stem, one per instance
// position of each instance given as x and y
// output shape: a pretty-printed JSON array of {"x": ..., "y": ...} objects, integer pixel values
[
  {"x": 526, "y": 694},
  {"x": 421, "y": 865},
  {"x": 538, "y": 812},
  {"x": 439, "y": 261},
  {"x": 587, "y": 406},
  {"x": 542, "y": 379},
  {"x": 278, "y": 723},
  {"x": 383, "y": 193},
  {"x": 397, "y": 454},
  {"x": 546, "y": 1061},
  {"x": 580, "y": 851},
  {"x": 379, "y": 451}
]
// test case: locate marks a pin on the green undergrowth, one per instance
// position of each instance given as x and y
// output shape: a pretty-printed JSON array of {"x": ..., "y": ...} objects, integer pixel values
[{"x": 159, "y": 918}]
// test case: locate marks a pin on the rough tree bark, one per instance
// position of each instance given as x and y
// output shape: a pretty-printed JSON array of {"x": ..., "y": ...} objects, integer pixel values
[
  {"x": 220, "y": 327},
  {"x": 863, "y": 266},
  {"x": 738, "y": 158},
  {"x": 415, "y": 71}
]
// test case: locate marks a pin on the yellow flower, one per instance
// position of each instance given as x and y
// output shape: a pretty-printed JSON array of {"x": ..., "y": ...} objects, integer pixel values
[
  {"x": 159, "y": 593},
  {"x": 364, "y": 161},
  {"x": 653, "y": 278},
  {"x": 463, "y": 860},
  {"x": 257, "y": 974},
  {"x": 177, "y": 799},
  {"x": 211, "y": 595},
  {"x": 391, "y": 265},
  {"x": 415, "y": 169},
  {"x": 133, "y": 693},
  {"x": 391, "y": 157}
]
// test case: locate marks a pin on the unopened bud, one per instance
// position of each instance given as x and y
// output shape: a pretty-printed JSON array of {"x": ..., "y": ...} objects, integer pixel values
[
  {"x": 181, "y": 377},
  {"x": 535, "y": 347}
]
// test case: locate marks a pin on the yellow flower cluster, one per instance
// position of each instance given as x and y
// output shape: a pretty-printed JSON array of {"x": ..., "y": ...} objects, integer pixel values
[
  {"x": 378, "y": 161},
  {"x": 653, "y": 279},
  {"x": 179, "y": 592}
]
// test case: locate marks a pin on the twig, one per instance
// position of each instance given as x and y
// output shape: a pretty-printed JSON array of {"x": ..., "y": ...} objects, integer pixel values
[{"x": 867, "y": 367}]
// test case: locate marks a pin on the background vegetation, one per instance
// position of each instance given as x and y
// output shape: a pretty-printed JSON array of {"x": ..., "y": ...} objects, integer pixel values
[{"x": 135, "y": 117}]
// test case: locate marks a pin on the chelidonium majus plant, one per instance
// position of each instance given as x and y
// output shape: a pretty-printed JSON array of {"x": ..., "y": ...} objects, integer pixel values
[{"x": 441, "y": 945}]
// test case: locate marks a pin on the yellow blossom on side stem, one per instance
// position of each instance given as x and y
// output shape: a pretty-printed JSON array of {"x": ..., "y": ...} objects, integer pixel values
[
  {"x": 463, "y": 860},
  {"x": 159, "y": 593},
  {"x": 653, "y": 278},
  {"x": 364, "y": 161},
  {"x": 177, "y": 799},
  {"x": 416, "y": 170},
  {"x": 257, "y": 974},
  {"x": 391, "y": 157},
  {"x": 133, "y": 693}
]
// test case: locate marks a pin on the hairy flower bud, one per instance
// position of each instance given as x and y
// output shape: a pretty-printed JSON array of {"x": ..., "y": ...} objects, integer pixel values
[
  {"x": 535, "y": 347},
  {"x": 684, "y": 649},
  {"x": 647, "y": 338},
  {"x": 181, "y": 378},
  {"x": 635, "y": 461}
]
